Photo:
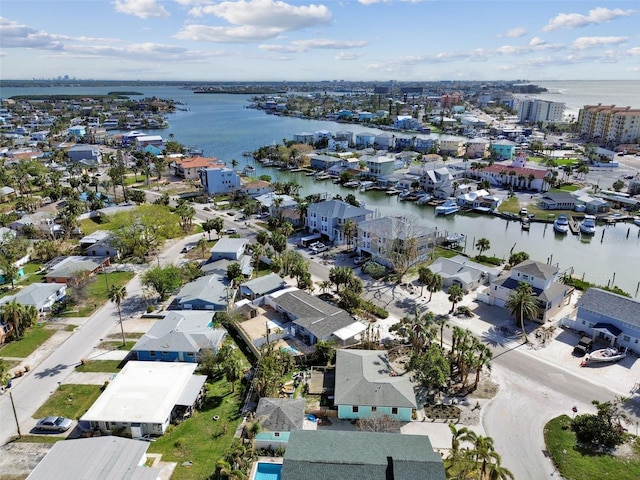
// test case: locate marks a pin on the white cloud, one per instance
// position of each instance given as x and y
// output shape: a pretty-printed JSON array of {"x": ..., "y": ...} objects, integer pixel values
[
  {"x": 16, "y": 35},
  {"x": 268, "y": 14},
  {"x": 141, "y": 8},
  {"x": 574, "y": 20},
  {"x": 515, "y": 32},
  {"x": 584, "y": 43},
  {"x": 537, "y": 41},
  {"x": 634, "y": 51},
  {"x": 315, "y": 44},
  {"x": 242, "y": 34},
  {"x": 348, "y": 56}
]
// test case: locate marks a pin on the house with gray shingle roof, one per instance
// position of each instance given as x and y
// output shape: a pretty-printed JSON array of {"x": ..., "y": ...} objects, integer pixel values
[
  {"x": 261, "y": 286},
  {"x": 313, "y": 319},
  {"x": 40, "y": 295},
  {"x": 74, "y": 268},
  {"x": 463, "y": 271},
  {"x": 339, "y": 455},
  {"x": 611, "y": 318},
  {"x": 181, "y": 336},
  {"x": 210, "y": 292},
  {"x": 543, "y": 278},
  {"x": 328, "y": 217},
  {"x": 278, "y": 417},
  {"x": 367, "y": 386}
]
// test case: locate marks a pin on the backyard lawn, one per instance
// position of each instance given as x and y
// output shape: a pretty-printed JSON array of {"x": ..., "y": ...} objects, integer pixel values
[
  {"x": 33, "y": 337},
  {"x": 577, "y": 463},
  {"x": 97, "y": 293},
  {"x": 201, "y": 440},
  {"x": 109, "y": 366}
]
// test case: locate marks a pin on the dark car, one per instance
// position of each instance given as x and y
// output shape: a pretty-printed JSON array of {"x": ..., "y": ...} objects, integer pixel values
[
  {"x": 54, "y": 424},
  {"x": 583, "y": 347}
]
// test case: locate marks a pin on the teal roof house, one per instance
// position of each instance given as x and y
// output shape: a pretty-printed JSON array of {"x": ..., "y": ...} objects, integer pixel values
[{"x": 366, "y": 386}]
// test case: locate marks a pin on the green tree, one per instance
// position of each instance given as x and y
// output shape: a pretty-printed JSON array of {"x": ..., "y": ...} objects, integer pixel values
[
  {"x": 232, "y": 368},
  {"x": 517, "y": 257},
  {"x": 483, "y": 245},
  {"x": 234, "y": 273},
  {"x": 435, "y": 284},
  {"x": 431, "y": 368},
  {"x": 9, "y": 272},
  {"x": 605, "y": 428},
  {"x": 523, "y": 303},
  {"x": 455, "y": 295},
  {"x": 137, "y": 196},
  {"x": 424, "y": 274},
  {"x": 218, "y": 225},
  {"x": 164, "y": 280},
  {"x": 117, "y": 294},
  {"x": 186, "y": 212},
  {"x": 208, "y": 226},
  {"x": 349, "y": 231}
]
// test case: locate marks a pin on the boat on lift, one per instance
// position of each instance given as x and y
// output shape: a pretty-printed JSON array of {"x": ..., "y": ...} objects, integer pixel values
[
  {"x": 588, "y": 225},
  {"x": 561, "y": 224}
]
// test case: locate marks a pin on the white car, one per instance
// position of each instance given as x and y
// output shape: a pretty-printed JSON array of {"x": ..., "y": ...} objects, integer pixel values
[
  {"x": 229, "y": 231},
  {"x": 319, "y": 247}
]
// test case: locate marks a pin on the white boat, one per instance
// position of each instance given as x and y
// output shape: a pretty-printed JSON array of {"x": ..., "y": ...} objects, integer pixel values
[
  {"x": 588, "y": 225},
  {"x": 455, "y": 238},
  {"x": 448, "y": 207},
  {"x": 424, "y": 199},
  {"x": 561, "y": 224},
  {"x": 636, "y": 220},
  {"x": 605, "y": 355}
]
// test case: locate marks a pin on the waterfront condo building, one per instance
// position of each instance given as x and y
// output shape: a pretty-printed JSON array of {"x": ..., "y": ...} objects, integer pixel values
[
  {"x": 609, "y": 124},
  {"x": 534, "y": 111},
  {"x": 219, "y": 180},
  {"x": 328, "y": 218}
]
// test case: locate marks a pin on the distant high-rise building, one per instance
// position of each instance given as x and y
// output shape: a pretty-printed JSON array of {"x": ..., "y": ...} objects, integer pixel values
[
  {"x": 534, "y": 111},
  {"x": 608, "y": 124}
]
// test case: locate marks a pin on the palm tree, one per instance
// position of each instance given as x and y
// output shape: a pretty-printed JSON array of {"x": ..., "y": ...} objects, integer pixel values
[
  {"x": 523, "y": 303},
  {"x": 232, "y": 370},
  {"x": 424, "y": 275},
  {"x": 117, "y": 295},
  {"x": 435, "y": 284},
  {"x": 455, "y": 295},
  {"x": 349, "y": 230},
  {"x": 482, "y": 360},
  {"x": 218, "y": 225},
  {"x": 13, "y": 313},
  {"x": 483, "y": 245},
  {"x": 208, "y": 226}
]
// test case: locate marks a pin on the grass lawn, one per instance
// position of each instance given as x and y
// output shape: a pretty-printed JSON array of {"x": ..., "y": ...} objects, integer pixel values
[
  {"x": 200, "y": 439},
  {"x": 97, "y": 293},
  {"x": 108, "y": 366},
  {"x": 580, "y": 464},
  {"x": 89, "y": 225},
  {"x": 568, "y": 188},
  {"x": 31, "y": 340},
  {"x": 117, "y": 345},
  {"x": 39, "y": 439},
  {"x": 71, "y": 401},
  {"x": 510, "y": 205}
]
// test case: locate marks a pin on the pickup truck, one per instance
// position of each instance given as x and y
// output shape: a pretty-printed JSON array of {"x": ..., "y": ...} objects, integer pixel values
[{"x": 583, "y": 347}]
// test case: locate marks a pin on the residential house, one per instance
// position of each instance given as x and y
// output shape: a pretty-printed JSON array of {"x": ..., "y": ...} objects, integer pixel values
[
  {"x": 328, "y": 218},
  {"x": 104, "y": 248},
  {"x": 451, "y": 146},
  {"x": 477, "y": 148},
  {"x": 313, "y": 319},
  {"x": 261, "y": 286},
  {"x": 479, "y": 199},
  {"x": 42, "y": 296},
  {"x": 278, "y": 417},
  {"x": 337, "y": 455},
  {"x": 181, "y": 336},
  {"x": 93, "y": 238},
  {"x": 7, "y": 193},
  {"x": 304, "y": 137},
  {"x": 255, "y": 188},
  {"x": 503, "y": 149},
  {"x": 229, "y": 249},
  {"x": 500, "y": 175},
  {"x": 211, "y": 292},
  {"x": 459, "y": 270},
  {"x": 142, "y": 141},
  {"x": 543, "y": 278},
  {"x": 380, "y": 166},
  {"x": 424, "y": 145},
  {"x": 438, "y": 182},
  {"x": 365, "y": 139},
  {"x": 389, "y": 240},
  {"x": 219, "y": 180},
  {"x": 558, "y": 201},
  {"x": 74, "y": 269},
  {"x": 189, "y": 167},
  {"x": 385, "y": 141},
  {"x": 90, "y": 154},
  {"x": 277, "y": 204},
  {"x": 593, "y": 205},
  {"x": 367, "y": 386},
  {"x": 78, "y": 131},
  {"x": 609, "y": 318},
  {"x": 146, "y": 397},
  {"x": 99, "y": 458},
  {"x": 323, "y": 162}
]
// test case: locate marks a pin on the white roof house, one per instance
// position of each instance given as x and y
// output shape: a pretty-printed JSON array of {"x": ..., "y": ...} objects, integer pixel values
[{"x": 143, "y": 395}]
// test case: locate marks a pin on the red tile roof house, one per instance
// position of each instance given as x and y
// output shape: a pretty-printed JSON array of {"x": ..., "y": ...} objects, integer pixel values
[
  {"x": 189, "y": 167},
  {"x": 516, "y": 177}
]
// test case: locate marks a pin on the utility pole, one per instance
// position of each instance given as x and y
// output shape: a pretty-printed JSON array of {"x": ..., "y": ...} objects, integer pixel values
[{"x": 15, "y": 415}]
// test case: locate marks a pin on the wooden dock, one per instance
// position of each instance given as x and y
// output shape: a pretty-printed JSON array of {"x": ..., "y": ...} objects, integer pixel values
[{"x": 573, "y": 226}]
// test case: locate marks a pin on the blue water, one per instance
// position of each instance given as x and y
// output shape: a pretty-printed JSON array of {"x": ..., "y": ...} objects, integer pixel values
[
  {"x": 222, "y": 127},
  {"x": 268, "y": 471}
]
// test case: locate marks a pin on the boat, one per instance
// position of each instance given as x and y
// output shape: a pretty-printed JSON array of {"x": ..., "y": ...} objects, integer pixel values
[
  {"x": 561, "y": 224},
  {"x": 424, "y": 199},
  {"x": 448, "y": 207},
  {"x": 605, "y": 355},
  {"x": 393, "y": 191},
  {"x": 352, "y": 184},
  {"x": 636, "y": 220},
  {"x": 525, "y": 224},
  {"x": 249, "y": 168},
  {"x": 588, "y": 225},
  {"x": 310, "y": 174},
  {"x": 366, "y": 185},
  {"x": 455, "y": 238}
]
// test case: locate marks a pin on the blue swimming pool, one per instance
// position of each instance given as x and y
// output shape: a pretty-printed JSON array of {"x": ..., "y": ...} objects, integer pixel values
[{"x": 268, "y": 471}]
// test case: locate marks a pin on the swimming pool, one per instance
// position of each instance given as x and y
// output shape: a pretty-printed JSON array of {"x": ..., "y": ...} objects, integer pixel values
[{"x": 268, "y": 471}]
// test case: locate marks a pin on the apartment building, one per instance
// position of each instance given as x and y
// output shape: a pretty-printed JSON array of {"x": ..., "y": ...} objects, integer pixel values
[{"x": 608, "y": 124}]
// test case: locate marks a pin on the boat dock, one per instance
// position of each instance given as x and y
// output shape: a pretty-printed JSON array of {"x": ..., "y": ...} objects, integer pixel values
[{"x": 573, "y": 226}]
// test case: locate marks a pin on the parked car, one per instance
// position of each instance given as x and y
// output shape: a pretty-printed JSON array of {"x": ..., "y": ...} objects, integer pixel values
[
  {"x": 187, "y": 248},
  {"x": 583, "y": 347},
  {"x": 229, "y": 231},
  {"x": 319, "y": 247},
  {"x": 54, "y": 424},
  {"x": 359, "y": 260}
]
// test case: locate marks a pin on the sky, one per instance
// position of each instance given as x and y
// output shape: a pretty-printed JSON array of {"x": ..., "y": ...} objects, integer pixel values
[{"x": 291, "y": 40}]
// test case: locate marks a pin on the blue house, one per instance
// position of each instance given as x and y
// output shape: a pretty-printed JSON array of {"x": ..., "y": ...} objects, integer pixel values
[
  {"x": 504, "y": 149},
  {"x": 365, "y": 139},
  {"x": 180, "y": 337},
  {"x": 210, "y": 292},
  {"x": 367, "y": 386},
  {"x": 219, "y": 180},
  {"x": 609, "y": 318},
  {"x": 78, "y": 131}
]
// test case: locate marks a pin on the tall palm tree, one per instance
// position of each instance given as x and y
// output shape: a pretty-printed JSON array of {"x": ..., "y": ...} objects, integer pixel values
[
  {"x": 117, "y": 295},
  {"x": 482, "y": 360},
  {"x": 208, "y": 226},
  {"x": 349, "y": 230},
  {"x": 435, "y": 284},
  {"x": 12, "y": 313},
  {"x": 455, "y": 295},
  {"x": 523, "y": 303},
  {"x": 424, "y": 274},
  {"x": 483, "y": 245},
  {"x": 232, "y": 370}
]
